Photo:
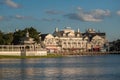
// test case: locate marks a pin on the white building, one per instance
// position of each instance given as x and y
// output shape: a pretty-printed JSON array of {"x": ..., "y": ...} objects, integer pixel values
[
  {"x": 96, "y": 40},
  {"x": 69, "y": 39},
  {"x": 49, "y": 42}
]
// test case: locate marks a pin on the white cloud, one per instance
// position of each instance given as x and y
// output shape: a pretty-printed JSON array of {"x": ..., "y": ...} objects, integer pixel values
[
  {"x": 82, "y": 17},
  {"x": 11, "y": 4},
  {"x": 118, "y": 13},
  {"x": 93, "y": 16},
  {"x": 101, "y": 12},
  {"x": 88, "y": 17}
]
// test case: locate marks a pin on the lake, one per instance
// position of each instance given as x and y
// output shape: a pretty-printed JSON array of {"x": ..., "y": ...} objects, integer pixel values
[{"x": 105, "y": 67}]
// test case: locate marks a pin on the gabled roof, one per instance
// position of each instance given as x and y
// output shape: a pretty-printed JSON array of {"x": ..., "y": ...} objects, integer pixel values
[
  {"x": 43, "y": 36},
  {"x": 59, "y": 33},
  {"x": 91, "y": 35},
  {"x": 97, "y": 37}
]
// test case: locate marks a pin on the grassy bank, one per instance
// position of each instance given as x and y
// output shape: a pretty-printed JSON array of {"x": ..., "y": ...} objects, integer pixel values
[
  {"x": 54, "y": 55},
  {"x": 22, "y": 57}
]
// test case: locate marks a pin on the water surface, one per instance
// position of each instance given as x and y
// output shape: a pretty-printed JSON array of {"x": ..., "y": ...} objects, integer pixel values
[{"x": 105, "y": 67}]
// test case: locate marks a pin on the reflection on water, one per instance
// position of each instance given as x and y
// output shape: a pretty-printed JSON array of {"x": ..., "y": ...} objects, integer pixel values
[{"x": 70, "y": 68}]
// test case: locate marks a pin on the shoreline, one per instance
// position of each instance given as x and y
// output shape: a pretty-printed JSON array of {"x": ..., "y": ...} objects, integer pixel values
[
  {"x": 91, "y": 53},
  {"x": 25, "y": 57},
  {"x": 59, "y": 55}
]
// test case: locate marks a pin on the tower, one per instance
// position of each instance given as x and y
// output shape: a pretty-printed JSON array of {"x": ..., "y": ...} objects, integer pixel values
[{"x": 27, "y": 34}]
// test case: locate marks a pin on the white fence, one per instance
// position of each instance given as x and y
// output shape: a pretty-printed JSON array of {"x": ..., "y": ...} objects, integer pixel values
[{"x": 22, "y": 50}]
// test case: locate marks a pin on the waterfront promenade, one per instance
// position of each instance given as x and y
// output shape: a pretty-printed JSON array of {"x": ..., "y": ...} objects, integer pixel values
[{"x": 35, "y": 50}]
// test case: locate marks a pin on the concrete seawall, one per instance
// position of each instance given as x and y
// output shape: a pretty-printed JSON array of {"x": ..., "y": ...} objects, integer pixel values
[{"x": 92, "y": 53}]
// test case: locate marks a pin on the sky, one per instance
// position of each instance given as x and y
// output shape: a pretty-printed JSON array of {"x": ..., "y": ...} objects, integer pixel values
[{"x": 46, "y": 15}]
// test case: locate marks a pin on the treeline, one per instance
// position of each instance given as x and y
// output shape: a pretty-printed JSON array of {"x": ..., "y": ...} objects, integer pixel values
[
  {"x": 115, "y": 45},
  {"x": 15, "y": 37},
  {"x": 6, "y": 38}
]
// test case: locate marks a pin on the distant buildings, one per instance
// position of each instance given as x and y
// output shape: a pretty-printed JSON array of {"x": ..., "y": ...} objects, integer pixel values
[
  {"x": 69, "y": 39},
  {"x": 66, "y": 40}
]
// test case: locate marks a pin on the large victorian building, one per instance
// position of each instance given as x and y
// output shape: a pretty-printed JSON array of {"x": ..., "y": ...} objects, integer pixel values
[
  {"x": 96, "y": 41},
  {"x": 69, "y": 39}
]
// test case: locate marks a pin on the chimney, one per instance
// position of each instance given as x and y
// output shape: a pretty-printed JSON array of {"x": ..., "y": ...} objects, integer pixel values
[
  {"x": 78, "y": 30},
  {"x": 56, "y": 29}
]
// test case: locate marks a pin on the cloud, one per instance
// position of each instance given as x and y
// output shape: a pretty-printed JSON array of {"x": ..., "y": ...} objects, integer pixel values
[
  {"x": 1, "y": 18},
  {"x": 17, "y": 17},
  {"x": 10, "y": 3},
  {"x": 100, "y": 13},
  {"x": 5, "y": 18},
  {"x": 79, "y": 8},
  {"x": 20, "y": 17},
  {"x": 82, "y": 17},
  {"x": 50, "y": 19},
  {"x": 91, "y": 16},
  {"x": 53, "y": 12},
  {"x": 118, "y": 13}
]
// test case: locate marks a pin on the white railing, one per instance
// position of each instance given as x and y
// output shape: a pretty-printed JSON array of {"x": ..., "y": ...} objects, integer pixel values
[{"x": 28, "y": 50}]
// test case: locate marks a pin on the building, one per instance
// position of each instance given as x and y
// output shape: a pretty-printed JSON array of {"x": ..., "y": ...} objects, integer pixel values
[
  {"x": 71, "y": 40},
  {"x": 49, "y": 42},
  {"x": 27, "y": 40},
  {"x": 96, "y": 40},
  {"x": 28, "y": 47}
]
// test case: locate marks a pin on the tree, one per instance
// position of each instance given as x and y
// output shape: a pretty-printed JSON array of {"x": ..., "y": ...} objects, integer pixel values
[
  {"x": 8, "y": 38},
  {"x": 33, "y": 33},
  {"x": 1, "y": 39},
  {"x": 17, "y": 36},
  {"x": 21, "y": 33},
  {"x": 115, "y": 45}
]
